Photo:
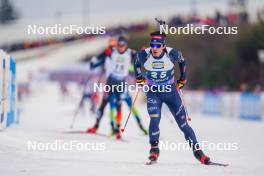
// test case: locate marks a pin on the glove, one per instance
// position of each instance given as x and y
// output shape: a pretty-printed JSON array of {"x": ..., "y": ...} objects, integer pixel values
[
  {"x": 181, "y": 83},
  {"x": 140, "y": 80}
]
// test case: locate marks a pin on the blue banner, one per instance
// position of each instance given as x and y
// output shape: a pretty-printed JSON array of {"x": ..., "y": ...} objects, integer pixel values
[
  {"x": 250, "y": 106},
  {"x": 211, "y": 104}
]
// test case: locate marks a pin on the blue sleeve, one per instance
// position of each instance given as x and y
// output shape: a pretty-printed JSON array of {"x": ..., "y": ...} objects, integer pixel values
[
  {"x": 133, "y": 56},
  {"x": 176, "y": 56},
  {"x": 140, "y": 59},
  {"x": 100, "y": 60}
]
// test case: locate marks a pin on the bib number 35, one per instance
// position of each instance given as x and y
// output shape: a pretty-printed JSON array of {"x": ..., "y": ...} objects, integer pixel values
[{"x": 158, "y": 75}]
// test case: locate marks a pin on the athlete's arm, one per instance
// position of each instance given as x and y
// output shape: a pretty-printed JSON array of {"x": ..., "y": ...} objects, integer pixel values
[
  {"x": 177, "y": 57},
  {"x": 100, "y": 59},
  {"x": 139, "y": 59}
]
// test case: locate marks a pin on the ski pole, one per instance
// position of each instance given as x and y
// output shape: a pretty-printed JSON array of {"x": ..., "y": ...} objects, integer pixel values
[
  {"x": 76, "y": 113},
  {"x": 73, "y": 119},
  {"x": 184, "y": 105},
  {"x": 131, "y": 109}
]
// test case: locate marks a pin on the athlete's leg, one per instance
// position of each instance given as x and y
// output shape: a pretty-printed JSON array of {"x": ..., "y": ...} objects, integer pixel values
[
  {"x": 118, "y": 109},
  {"x": 174, "y": 102},
  {"x": 112, "y": 114},
  {"x": 154, "y": 110},
  {"x": 100, "y": 112}
]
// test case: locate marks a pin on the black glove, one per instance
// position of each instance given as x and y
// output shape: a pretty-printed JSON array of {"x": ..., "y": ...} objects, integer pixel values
[
  {"x": 181, "y": 83},
  {"x": 140, "y": 80}
]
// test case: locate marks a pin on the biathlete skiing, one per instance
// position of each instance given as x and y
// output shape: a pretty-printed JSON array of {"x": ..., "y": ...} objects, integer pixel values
[
  {"x": 118, "y": 59},
  {"x": 159, "y": 62},
  {"x": 102, "y": 60}
]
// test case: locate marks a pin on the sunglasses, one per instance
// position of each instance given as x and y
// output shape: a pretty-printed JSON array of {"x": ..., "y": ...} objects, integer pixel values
[
  {"x": 122, "y": 44},
  {"x": 155, "y": 45}
]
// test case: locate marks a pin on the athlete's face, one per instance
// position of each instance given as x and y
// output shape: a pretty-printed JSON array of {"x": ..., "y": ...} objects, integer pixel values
[
  {"x": 112, "y": 42},
  {"x": 157, "y": 49},
  {"x": 121, "y": 48}
]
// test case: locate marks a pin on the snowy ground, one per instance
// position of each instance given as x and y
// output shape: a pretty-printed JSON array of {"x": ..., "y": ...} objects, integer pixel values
[{"x": 46, "y": 117}]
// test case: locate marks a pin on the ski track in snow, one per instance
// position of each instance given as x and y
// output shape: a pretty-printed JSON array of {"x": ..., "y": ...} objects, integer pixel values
[{"x": 46, "y": 117}]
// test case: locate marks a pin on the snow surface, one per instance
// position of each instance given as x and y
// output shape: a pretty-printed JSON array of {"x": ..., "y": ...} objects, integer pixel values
[{"x": 46, "y": 117}]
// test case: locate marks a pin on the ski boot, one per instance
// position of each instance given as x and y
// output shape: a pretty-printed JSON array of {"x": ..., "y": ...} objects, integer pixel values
[
  {"x": 93, "y": 129},
  {"x": 153, "y": 154},
  {"x": 118, "y": 132},
  {"x": 200, "y": 156}
]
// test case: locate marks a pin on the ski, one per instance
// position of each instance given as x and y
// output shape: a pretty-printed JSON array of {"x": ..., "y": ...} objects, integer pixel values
[
  {"x": 211, "y": 163},
  {"x": 85, "y": 132},
  {"x": 217, "y": 164},
  {"x": 150, "y": 162},
  {"x": 96, "y": 134}
]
